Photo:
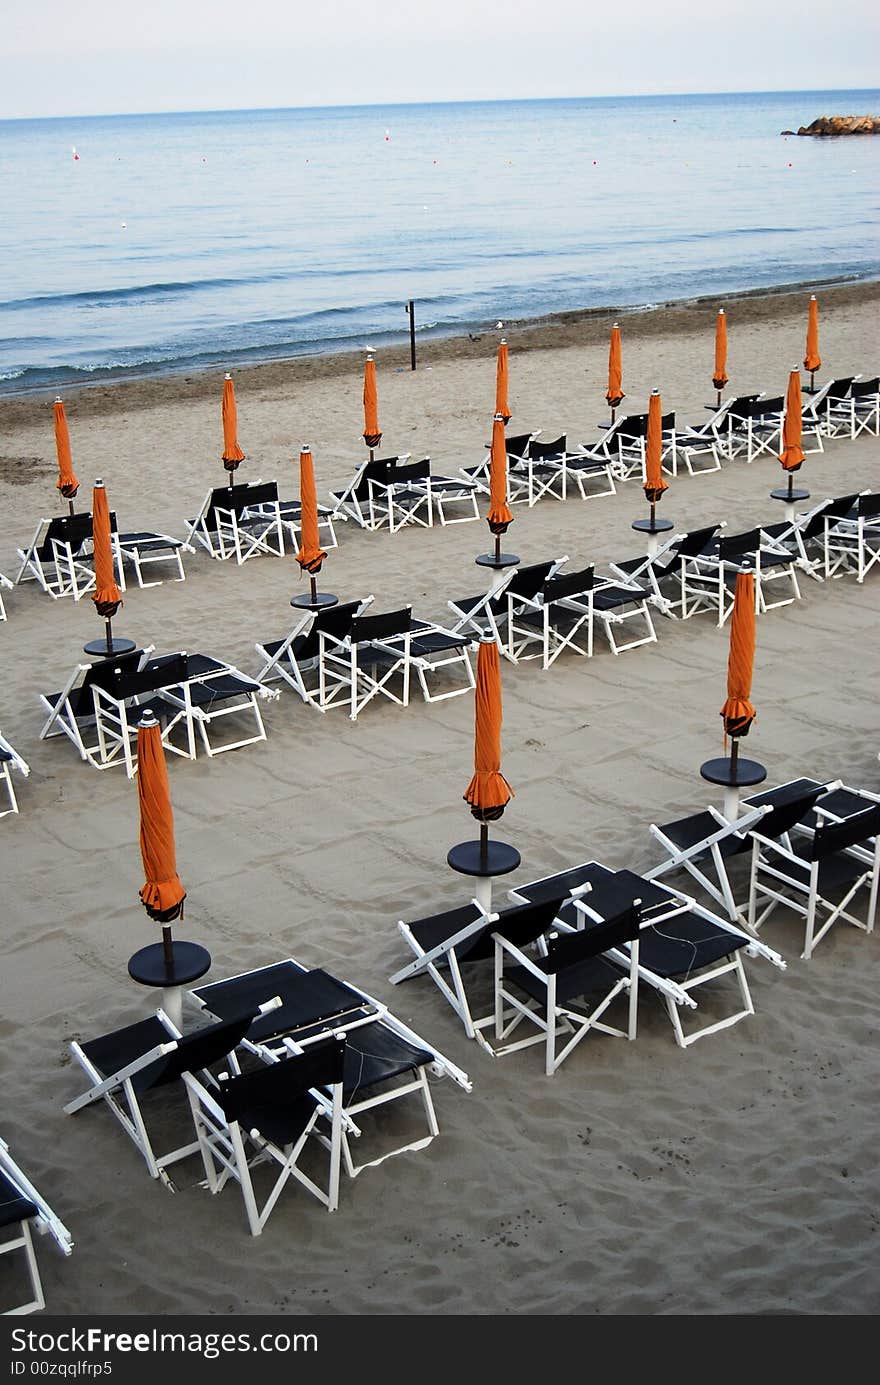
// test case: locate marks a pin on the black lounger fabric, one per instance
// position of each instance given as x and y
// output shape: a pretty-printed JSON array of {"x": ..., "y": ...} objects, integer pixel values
[{"x": 14, "y": 1206}]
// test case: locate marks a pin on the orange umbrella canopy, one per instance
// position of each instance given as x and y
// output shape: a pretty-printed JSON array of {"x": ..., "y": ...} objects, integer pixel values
[
  {"x": 311, "y": 555},
  {"x": 654, "y": 483},
  {"x": 162, "y": 894},
  {"x": 232, "y": 453},
  {"x": 792, "y": 454},
  {"x": 488, "y": 793},
  {"x": 615, "y": 369},
  {"x": 719, "y": 379},
  {"x": 106, "y": 596},
  {"x": 812, "y": 359},
  {"x": 738, "y": 712},
  {"x": 67, "y": 482},
  {"x": 499, "y": 516},
  {"x": 502, "y": 405},
  {"x": 372, "y": 431}
]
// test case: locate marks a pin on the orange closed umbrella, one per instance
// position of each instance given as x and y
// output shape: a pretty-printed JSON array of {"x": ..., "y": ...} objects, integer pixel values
[
  {"x": 719, "y": 379},
  {"x": 615, "y": 372},
  {"x": 499, "y": 516},
  {"x": 812, "y": 359},
  {"x": 488, "y": 793},
  {"x": 372, "y": 431},
  {"x": 654, "y": 484},
  {"x": 738, "y": 712},
  {"x": 792, "y": 454},
  {"x": 162, "y": 894},
  {"x": 106, "y": 596},
  {"x": 311, "y": 555},
  {"x": 67, "y": 482},
  {"x": 502, "y": 405},
  {"x": 232, "y": 453}
]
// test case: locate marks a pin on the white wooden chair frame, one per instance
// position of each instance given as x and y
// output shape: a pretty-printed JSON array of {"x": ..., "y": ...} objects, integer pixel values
[
  {"x": 349, "y": 505},
  {"x": 146, "y": 549},
  {"x": 680, "y": 903},
  {"x": 852, "y": 544},
  {"x": 45, "y": 1221},
  {"x": 777, "y": 863},
  {"x": 221, "y": 1143},
  {"x": 283, "y": 663},
  {"x": 15, "y": 762},
  {"x": 63, "y": 721},
  {"x": 704, "y": 585},
  {"x": 344, "y": 676},
  {"x": 369, "y": 1011},
  {"x": 575, "y": 1025}
]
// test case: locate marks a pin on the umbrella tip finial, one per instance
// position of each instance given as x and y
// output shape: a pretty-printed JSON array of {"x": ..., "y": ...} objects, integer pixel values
[
  {"x": 227, "y": 376},
  {"x": 148, "y": 719},
  {"x": 812, "y": 298},
  {"x": 99, "y": 481},
  {"x": 721, "y": 310},
  {"x": 615, "y": 324},
  {"x": 499, "y": 418},
  {"x": 58, "y": 399},
  {"x": 306, "y": 447}
]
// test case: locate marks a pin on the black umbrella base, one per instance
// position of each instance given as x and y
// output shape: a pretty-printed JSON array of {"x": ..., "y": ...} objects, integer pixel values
[
  {"x": 151, "y": 967},
  {"x": 659, "y": 526},
  {"x": 732, "y": 776},
  {"x": 500, "y": 560},
  {"x": 498, "y": 859},
  {"x": 97, "y": 649},
  {"x": 320, "y": 602},
  {"x": 189, "y": 962}
]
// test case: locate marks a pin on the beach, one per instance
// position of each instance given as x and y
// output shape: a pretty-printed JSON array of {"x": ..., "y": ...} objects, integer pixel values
[{"x": 734, "y": 1177}]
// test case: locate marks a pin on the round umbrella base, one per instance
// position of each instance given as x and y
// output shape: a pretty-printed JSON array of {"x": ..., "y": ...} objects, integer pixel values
[
  {"x": 502, "y": 560},
  {"x": 321, "y": 601},
  {"x": 498, "y": 858},
  {"x": 97, "y": 649},
  {"x": 659, "y": 526},
  {"x": 785, "y": 494},
  {"x": 150, "y": 966},
  {"x": 732, "y": 777}
]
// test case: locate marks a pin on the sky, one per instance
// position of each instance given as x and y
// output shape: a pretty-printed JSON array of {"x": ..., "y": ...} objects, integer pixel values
[{"x": 112, "y": 56}]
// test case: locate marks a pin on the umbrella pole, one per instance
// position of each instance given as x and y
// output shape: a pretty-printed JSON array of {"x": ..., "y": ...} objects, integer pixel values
[
  {"x": 109, "y": 636},
  {"x": 70, "y": 509},
  {"x": 497, "y": 550},
  {"x": 613, "y": 414},
  {"x": 717, "y": 399},
  {"x": 167, "y": 945},
  {"x": 314, "y": 585},
  {"x": 653, "y": 528}
]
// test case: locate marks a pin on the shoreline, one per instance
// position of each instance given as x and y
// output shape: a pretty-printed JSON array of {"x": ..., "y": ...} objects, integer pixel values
[{"x": 577, "y": 327}]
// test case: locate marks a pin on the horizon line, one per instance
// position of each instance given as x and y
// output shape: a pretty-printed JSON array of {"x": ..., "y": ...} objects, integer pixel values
[{"x": 460, "y": 101}]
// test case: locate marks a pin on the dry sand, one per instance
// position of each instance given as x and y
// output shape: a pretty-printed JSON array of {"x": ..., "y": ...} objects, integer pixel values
[{"x": 735, "y": 1177}]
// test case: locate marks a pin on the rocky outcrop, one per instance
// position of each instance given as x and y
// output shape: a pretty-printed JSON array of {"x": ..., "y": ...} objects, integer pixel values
[{"x": 842, "y": 125}]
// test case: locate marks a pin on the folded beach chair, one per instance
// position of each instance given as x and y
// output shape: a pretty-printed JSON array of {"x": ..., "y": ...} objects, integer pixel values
[
  {"x": 517, "y": 449},
  {"x": 806, "y": 536},
  {"x": 819, "y": 877},
  {"x": 385, "y": 1061},
  {"x": 278, "y": 1111},
  {"x": 682, "y": 945},
  {"x": 562, "y": 614},
  {"x": 191, "y": 691},
  {"x": 402, "y": 496},
  {"x": 754, "y": 428},
  {"x": 705, "y": 843},
  {"x": 566, "y": 991},
  {"x": 663, "y": 572},
  {"x": 10, "y": 760},
  {"x": 146, "y": 548},
  {"x": 857, "y": 412},
  {"x": 72, "y": 710},
  {"x": 239, "y": 522},
  {"x": 625, "y": 441},
  {"x": 453, "y": 498},
  {"x": 296, "y": 658},
  {"x": 852, "y": 541},
  {"x": 448, "y": 945},
  {"x": 486, "y": 615},
  {"x": 708, "y": 579},
  {"x": 60, "y": 559},
  {"x": 588, "y": 468},
  {"x": 147, "y": 1056},
  {"x": 4, "y": 582},
  {"x": 24, "y": 1210},
  {"x": 355, "y": 501},
  {"x": 290, "y": 515}
]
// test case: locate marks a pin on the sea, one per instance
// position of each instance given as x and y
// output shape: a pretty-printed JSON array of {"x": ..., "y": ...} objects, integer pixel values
[{"x": 141, "y": 244}]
